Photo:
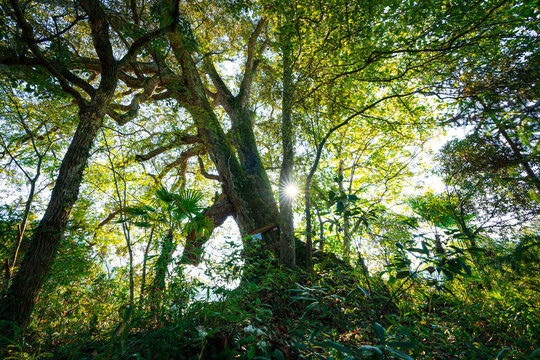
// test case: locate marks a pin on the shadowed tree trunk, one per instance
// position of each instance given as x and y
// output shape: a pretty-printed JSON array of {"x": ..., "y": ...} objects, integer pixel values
[
  {"x": 16, "y": 307},
  {"x": 21, "y": 297},
  {"x": 244, "y": 179},
  {"x": 158, "y": 285}
]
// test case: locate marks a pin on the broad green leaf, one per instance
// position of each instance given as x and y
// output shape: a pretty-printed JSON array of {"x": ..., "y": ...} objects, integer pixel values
[
  {"x": 399, "y": 353},
  {"x": 338, "y": 347},
  {"x": 380, "y": 331}
]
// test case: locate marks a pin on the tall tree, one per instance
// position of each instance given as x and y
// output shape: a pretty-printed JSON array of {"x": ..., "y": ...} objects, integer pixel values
[
  {"x": 93, "y": 104},
  {"x": 287, "y": 253}
]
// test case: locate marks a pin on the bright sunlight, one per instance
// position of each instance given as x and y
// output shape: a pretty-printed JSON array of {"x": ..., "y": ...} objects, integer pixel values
[{"x": 291, "y": 190}]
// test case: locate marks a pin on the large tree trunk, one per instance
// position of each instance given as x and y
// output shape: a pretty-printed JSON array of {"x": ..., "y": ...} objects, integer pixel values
[
  {"x": 249, "y": 190},
  {"x": 21, "y": 297},
  {"x": 244, "y": 179}
]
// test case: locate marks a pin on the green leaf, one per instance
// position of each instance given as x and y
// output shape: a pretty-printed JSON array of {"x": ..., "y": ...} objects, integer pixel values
[
  {"x": 424, "y": 247},
  {"x": 364, "y": 291},
  {"x": 534, "y": 353},
  {"x": 448, "y": 274},
  {"x": 331, "y": 195},
  {"x": 403, "y": 274},
  {"x": 399, "y": 353},
  {"x": 304, "y": 298},
  {"x": 312, "y": 306},
  {"x": 417, "y": 250},
  {"x": 401, "y": 344},
  {"x": 143, "y": 224},
  {"x": 500, "y": 355},
  {"x": 373, "y": 349},
  {"x": 314, "y": 334},
  {"x": 278, "y": 354},
  {"x": 338, "y": 347},
  {"x": 380, "y": 331},
  {"x": 251, "y": 352}
]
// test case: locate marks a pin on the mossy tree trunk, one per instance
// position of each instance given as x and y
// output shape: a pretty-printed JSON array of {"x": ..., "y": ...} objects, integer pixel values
[
  {"x": 286, "y": 242},
  {"x": 242, "y": 173}
]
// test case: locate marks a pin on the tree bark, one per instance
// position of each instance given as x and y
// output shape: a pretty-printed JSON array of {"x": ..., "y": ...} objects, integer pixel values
[
  {"x": 519, "y": 156},
  {"x": 16, "y": 307},
  {"x": 286, "y": 242},
  {"x": 346, "y": 219},
  {"x": 21, "y": 228}
]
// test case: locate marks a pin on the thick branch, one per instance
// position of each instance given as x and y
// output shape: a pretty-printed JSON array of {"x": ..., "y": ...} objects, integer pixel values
[
  {"x": 102, "y": 44},
  {"x": 184, "y": 156},
  {"x": 110, "y": 217},
  {"x": 182, "y": 139},
  {"x": 133, "y": 108},
  {"x": 245, "y": 87},
  {"x": 224, "y": 95}
]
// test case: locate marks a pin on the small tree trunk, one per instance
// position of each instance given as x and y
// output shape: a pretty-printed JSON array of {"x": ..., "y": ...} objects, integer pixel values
[
  {"x": 519, "y": 156},
  {"x": 145, "y": 260},
  {"x": 307, "y": 213},
  {"x": 20, "y": 233},
  {"x": 167, "y": 249},
  {"x": 286, "y": 242},
  {"x": 346, "y": 220}
]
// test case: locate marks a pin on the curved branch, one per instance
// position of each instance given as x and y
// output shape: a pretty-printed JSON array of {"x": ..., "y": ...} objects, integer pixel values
[
  {"x": 184, "y": 157},
  {"x": 224, "y": 95},
  {"x": 144, "y": 40},
  {"x": 133, "y": 107},
  {"x": 206, "y": 174},
  {"x": 183, "y": 139}
]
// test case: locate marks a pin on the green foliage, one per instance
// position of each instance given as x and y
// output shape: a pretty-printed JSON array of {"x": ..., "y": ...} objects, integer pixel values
[
  {"x": 169, "y": 209},
  {"x": 431, "y": 276}
]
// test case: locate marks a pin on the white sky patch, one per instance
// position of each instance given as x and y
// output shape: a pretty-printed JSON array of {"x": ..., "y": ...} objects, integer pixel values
[
  {"x": 426, "y": 180},
  {"x": 223, "y": 247}
]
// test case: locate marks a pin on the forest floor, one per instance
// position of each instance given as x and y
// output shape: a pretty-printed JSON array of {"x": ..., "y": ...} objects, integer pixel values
[{"x": 334, "y": 314}]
